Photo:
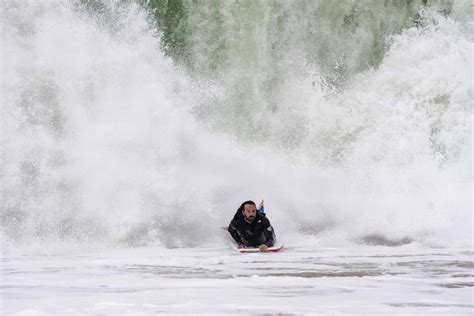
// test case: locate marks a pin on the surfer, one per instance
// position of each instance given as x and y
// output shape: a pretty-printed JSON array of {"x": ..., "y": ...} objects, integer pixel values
[{"x": 249, "y": 228}]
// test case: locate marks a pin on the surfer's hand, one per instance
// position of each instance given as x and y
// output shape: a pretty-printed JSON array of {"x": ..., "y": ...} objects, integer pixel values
[
  {"x": 241, "y": 246},
  {"x": 263, "y": 248}
]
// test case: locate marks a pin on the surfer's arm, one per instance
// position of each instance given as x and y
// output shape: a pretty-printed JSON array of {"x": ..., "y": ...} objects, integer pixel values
[
  {"x": 269, "y": 233},
  {"x": 235, "y": 235}
]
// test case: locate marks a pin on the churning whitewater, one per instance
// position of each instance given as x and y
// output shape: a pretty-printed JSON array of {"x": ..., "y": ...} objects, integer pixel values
[
  {"x": 134, "y": 129},
  {"x": 106, "y": 139}
]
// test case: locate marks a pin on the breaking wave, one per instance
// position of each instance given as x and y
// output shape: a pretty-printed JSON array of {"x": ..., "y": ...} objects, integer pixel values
[{"x": 121, "y": 127}]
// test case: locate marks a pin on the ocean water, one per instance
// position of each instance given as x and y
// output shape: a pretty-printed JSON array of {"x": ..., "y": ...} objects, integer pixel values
[
  {"x": 217, "y": 280},
  {"x": 132, "y": 130}
]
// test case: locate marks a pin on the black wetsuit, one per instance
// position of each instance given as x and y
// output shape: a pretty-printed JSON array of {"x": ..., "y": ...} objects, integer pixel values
[{"x": 253, "y": 234}]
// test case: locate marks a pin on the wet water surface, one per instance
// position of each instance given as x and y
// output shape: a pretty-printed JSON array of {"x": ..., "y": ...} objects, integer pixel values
[{"x": 216, "y": 279}]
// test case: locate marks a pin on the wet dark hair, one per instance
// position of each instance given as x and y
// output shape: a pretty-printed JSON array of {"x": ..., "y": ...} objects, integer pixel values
[{"x": 238, "y": 214}]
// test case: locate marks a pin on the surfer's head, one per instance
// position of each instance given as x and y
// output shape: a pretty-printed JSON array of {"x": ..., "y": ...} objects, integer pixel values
[{"x": 249, "y": 211}]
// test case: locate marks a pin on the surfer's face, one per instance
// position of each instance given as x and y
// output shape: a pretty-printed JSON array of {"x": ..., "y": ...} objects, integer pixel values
[{"x": 250, "y": 212}]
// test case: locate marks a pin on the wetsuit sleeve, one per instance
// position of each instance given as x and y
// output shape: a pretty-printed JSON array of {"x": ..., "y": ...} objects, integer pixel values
[
  {"x": 268, "y": 232},
  {"x": 233, "y": 232}
]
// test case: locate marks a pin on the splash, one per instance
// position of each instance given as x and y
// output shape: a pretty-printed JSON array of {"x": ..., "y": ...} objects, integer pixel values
[{"x": 107, "y": 140}]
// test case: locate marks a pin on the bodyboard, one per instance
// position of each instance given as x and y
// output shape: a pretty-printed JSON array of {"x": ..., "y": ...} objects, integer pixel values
[{"x": 270, "y": 249}]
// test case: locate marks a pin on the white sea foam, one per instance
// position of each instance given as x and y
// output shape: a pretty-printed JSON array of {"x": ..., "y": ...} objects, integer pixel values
[
  {"x": 210, "y": 280},
  {"x": 105, "y": 140}
]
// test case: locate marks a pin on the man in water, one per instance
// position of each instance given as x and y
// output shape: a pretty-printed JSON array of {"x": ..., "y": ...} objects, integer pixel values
[{"x": 251, "y": 229}]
